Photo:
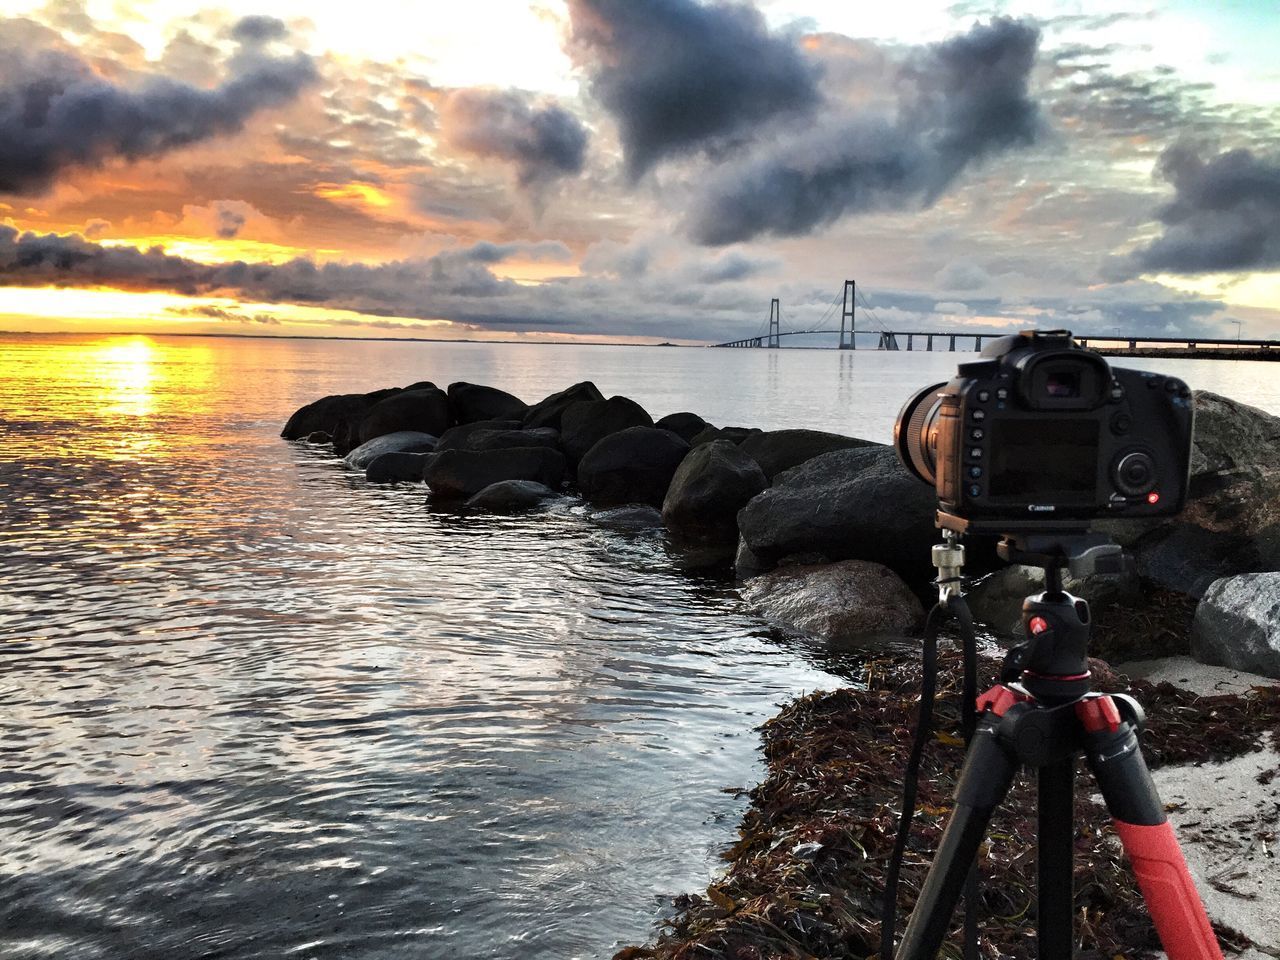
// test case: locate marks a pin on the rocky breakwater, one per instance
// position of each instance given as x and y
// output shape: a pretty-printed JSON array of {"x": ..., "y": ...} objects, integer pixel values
[{"x": 830, "y": 533}]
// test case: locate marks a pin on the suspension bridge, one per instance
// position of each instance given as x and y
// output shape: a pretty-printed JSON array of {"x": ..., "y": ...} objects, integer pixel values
[{"x": 850, "y": 298}]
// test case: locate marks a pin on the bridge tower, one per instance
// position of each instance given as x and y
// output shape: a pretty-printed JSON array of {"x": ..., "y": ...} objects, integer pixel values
[
  {"x": 846, "y": 315},
  {"x": 775, "y": 322}
]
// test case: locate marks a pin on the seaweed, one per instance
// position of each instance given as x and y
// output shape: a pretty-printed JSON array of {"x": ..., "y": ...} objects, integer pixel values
[{"x": 806, "y": 874}]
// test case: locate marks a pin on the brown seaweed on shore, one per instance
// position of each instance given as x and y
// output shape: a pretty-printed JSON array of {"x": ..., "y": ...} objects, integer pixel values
[{"x": 805, "y": 877}]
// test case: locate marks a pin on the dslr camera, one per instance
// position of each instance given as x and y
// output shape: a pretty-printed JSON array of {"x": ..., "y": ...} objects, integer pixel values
[{"x": 1041, "y": 434}]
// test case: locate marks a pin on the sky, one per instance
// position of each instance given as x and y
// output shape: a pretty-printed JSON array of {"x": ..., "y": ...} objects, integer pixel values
[{"x": 638, "y": 170}]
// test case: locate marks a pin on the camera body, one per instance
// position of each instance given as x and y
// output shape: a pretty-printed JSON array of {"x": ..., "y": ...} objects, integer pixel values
[{"x": 1041, "y": 433}]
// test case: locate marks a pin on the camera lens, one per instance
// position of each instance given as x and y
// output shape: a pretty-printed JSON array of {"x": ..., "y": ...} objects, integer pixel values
[
  {"x": 915, "y": 434},
  {"x": 1134, "y": 474}
]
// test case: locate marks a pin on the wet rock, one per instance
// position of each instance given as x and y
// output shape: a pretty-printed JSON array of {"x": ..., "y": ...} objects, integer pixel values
[
  {"x": 745, "y": 563},
  {"x": 632, "y": 466},
  {"x": 422, "y": 385},
  {"x": 778, "y": 450},
  {"x": 713, "y": 482},
  {"x": 510, "y": 439},
  {"x": 587, "y": 422},
  {"x": 318, "y": 436},
  {"x": 327, "y": 413},
  {"x": 1237, "y": 624},
  {"x": 732, "y": 434},
  {"x": 839, "y": 602},
  {"x": 997, "y": 600},
  {"x": 547, "y": 413},
  {"x": 512, "y": 496},
  {"x": 426, "y": 411},
  {"x": 397, "y": 467},
  {"x": 404, "y": 441},
  {"x": 1231, "y": 523},
  {"x": 456, "y": 438},
  {"x": 684, "y": 425},
  {"x": 474, "y": 401},
  {"x": 856, "y": 504},
  {"x": 464, "y": 473}
]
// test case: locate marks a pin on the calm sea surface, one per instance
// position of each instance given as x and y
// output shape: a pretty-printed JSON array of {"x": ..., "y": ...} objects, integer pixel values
[{"x": 254, "y": 707}]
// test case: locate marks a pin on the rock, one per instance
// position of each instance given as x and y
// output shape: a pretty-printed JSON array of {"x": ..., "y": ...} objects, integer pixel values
[
  {"x": 732, "y": 434},
  {"x": 856, "y": 504},
  {"x": 587, "y": 422},
  {"x": 397, "y": 467},
  {"x": 474, "y": 401},
  {"x": 778, "y": 450},
  {"x": 426, "y": 411},
  {"x": 1231, "y": 523},
  {"x": 632, "y": 466},
  {"x": 464, "y": 473},
  {"x": 745, "y": 563},
  {"x": 318, "y": 436},
  {"x": 839, "y": 602},
  {"x": 422, "y": 385},
  {"x": 712, "y": 483},
  {"x": 997, "y": 600},
  {"x": 685, "y": 425},
  {"x": 403, "y": 441},
  {"x": 547, "y": 413},
  {"x": 1237, "y": 624},
  {"x": 509, "y": 439},
  {"x": 328, "y": 412},
  {"x": 456, "y": 438},
  {"x": 512, "y": 496}
]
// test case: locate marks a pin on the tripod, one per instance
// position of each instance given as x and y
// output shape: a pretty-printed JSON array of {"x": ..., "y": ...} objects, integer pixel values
[{"x": 1042, "y": 715}]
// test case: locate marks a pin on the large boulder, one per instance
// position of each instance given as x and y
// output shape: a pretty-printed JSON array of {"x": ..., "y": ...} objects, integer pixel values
[
  {"x": 712, "y": 483},
  {"x": 587, "y": 422},
  {"x": 426, "y": 411},
  {"x": 733, "y": 434},
  {"x": 856, "y": 504},
  {"x": 547, "y": 413},
  {"x": 404, "y": 441},
  {"x": 327, "y": 413},
  {"x": 397, "y": 467},
  {"x": 778, "y": 450},
  {"x": 1231, "y": 523},
  {"x": 474, "y": 401},
  {"x": 464, "y": 473},
  {"x": 512, "y": 496},
  {"x": 507, "y": 439},
  {"x": 684, "y": 425},
  {"x": 632, "y": 466},
  {"x": 457, "y": 438},
  {"x": 1237, "y": 624},
  {"x": 997, "y": 600},
  {"x": 839, "y": 602}
]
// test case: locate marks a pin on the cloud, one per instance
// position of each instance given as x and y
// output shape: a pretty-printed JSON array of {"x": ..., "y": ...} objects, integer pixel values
[
  {"x": 542, "y": 141},
  {"x": 210, "y": 312},
  {"x": 962, "y": 100},
  {"x": 230, "y": 219},
  {"x": 1225, "y": 215},
  {"x": 57, "y": 112},
  {"x": 680, "y": 76},
  {"x": 259, "y": 29}
]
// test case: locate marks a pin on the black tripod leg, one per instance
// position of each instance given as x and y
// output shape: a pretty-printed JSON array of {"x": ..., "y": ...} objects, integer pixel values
[
  {"x": 984, "y": 780},
  {"x": 1148, "y": 839},
  {"x": 1054, "y": 867}
]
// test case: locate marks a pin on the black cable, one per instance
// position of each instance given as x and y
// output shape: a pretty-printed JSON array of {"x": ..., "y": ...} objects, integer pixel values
[{"x": 954, "y": 607}]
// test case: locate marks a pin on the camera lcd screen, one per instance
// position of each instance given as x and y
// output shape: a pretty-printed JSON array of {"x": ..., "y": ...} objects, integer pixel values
[{"x": 1045, "y": 461}]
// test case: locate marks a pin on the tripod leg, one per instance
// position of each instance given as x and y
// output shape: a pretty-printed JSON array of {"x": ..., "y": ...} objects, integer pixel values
[
  {"x": 1147, "y": 835},
  {"x": 1054, "y": 867},
  {"x": 984, "y": 780}
]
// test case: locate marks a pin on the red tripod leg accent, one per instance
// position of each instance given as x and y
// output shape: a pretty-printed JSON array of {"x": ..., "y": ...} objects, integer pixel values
[{"x": 1170, "y": 892}]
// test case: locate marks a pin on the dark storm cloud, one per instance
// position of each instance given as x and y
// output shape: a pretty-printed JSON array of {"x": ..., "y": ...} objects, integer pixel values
[
  {"x": 1225, "y": 215},
  {"x": 542, "y": 141},
  {"x": 679, "y": 76},
  {"x": 207, "y": 311},
  {"x": 57, "y": 112},
  {"x": 258, "y": 29},
  {"x": 962, "y": 100}
]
